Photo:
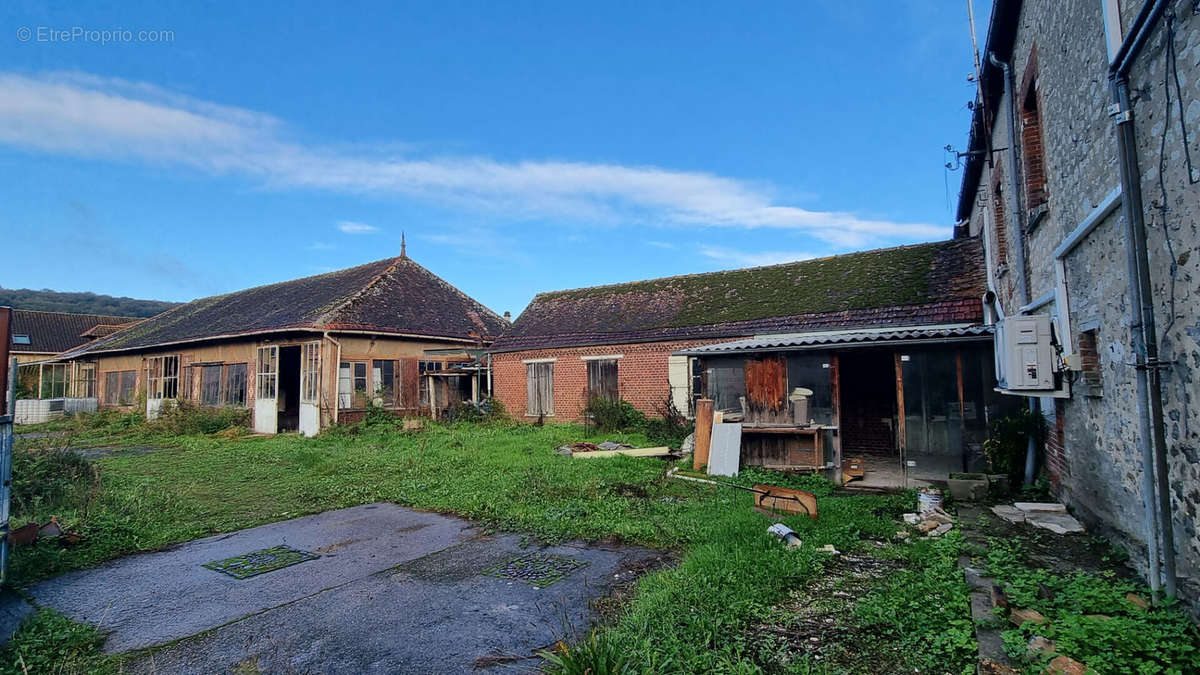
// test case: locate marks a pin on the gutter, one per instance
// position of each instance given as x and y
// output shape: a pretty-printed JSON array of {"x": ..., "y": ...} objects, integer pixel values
[{"x": 1156, "y": 496}]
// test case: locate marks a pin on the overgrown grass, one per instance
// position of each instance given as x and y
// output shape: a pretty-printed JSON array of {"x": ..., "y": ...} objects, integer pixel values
[
  {"x": 689, "y": 618},
  {"x": 52, "y": 644}
]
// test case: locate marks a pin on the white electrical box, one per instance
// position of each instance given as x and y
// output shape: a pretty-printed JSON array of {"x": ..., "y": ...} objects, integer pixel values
[{"x": 1029, "y": 353}]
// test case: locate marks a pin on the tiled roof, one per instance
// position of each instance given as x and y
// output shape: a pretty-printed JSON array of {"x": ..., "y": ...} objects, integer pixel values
[
  {"x": 54, "y": 332},
  {"x": 394, "y": 295},
  {"x": 923, "y": 284}
]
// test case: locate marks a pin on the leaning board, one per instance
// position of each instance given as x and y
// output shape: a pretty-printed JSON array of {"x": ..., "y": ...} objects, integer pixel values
[{"x": 725, "y": 450}]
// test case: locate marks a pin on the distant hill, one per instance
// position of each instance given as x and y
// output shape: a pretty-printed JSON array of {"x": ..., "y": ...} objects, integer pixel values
[{"x": 80, "y": 303}]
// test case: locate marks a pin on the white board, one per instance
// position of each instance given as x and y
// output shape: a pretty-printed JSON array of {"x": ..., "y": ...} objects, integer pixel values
[
  {"x": 725, "y": 450},
  {"x": 681, "y": 382}
]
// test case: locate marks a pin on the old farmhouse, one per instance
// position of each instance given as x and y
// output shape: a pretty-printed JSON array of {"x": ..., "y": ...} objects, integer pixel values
[
  {"x": 890, "y": 343},
  {"x": 1081, "y": 184},
  {"x": 300, "y": 354}
]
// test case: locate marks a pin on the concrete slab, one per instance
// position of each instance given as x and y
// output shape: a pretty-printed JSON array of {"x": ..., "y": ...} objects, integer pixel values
[
  {"x": 1058, "y": 523},
  {"x": 149, "y": 599},
  {"x": 1009, "y": 513},
  {"x": 1041, "y": 507},
  {"x": 395, "y": 590},
  {"x": 437, "y": 614}
]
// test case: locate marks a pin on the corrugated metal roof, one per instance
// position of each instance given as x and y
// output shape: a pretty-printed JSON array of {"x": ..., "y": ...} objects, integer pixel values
[{"x": 845, "y": 338}]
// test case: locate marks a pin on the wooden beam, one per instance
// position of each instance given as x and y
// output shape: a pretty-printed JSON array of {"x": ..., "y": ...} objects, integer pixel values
[
  {"x": 901, "y": 429},
  {"x": 962, "y": 413},
  {"x": 835, "y": 399}
]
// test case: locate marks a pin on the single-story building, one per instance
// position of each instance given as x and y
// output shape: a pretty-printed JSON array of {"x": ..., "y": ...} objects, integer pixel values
[
  {"x": 890, "y": 342},
  {"x": 300, "y": 354},
  {"x": 39, "y": 336}
]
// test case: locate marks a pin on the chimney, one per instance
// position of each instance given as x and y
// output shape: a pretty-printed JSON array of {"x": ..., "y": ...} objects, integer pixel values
[{"x": 508, "y": 316}]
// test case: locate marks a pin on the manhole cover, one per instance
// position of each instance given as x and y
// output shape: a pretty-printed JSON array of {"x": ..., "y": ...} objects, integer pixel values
[
  {"x": 538, "y": 569},
  {"x": 260, "y": 562}
]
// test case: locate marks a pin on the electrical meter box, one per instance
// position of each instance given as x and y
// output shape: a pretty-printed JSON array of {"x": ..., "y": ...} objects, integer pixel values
[{"x": 1029, "y": 354}]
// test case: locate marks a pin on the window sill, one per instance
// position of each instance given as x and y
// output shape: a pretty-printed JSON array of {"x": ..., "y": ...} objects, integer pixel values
[{"x": 542, "y": 415}]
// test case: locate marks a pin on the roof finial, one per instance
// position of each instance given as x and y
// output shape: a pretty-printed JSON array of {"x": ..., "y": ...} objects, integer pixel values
[{"x": 403, "y": 254}]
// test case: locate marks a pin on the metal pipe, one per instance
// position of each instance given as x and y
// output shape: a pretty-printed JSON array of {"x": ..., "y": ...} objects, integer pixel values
[
  {"x": 1014, "y": 180},
  {"x": 1156, "y": 495}
]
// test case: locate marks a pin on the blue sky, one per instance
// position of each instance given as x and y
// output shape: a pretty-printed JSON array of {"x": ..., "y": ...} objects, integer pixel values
[{"x": 522, "y": 146}]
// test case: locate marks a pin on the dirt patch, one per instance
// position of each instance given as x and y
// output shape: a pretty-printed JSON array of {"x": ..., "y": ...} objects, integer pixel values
[
  {"x": 815, "y": 623},
  {"x": 1060, "y": 553},
  {"x": 333, "y": 547},
  {"x": 610, "y": 607}
]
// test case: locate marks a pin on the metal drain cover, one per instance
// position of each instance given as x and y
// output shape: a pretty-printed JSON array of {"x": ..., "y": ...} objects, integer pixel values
[
  {"x": 537, "y": 569},
  {"x": 260, "y": 562}
]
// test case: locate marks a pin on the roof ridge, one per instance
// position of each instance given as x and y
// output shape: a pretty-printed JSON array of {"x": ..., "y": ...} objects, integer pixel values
[
  {"x": 694, "y": 275},
  {"x": 81, "y": 314}
]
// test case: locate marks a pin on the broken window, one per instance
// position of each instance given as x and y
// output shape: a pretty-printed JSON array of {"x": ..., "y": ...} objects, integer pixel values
[
  {"x": 812, "y": 371},
  {"x": 602, "y": 379},
  {"x": 726, "y": 382},
  {"x": 423, "y": 382},
  {"x": 119, "y": 387},
  {"x": 210, "y": 385},
  {"x": 385, "y": 383},
  {"x": 54, "y": 380},
  {"x": 235, "y": 385},
  {"x": 539, "y": 381},
  {"x": 162, "y": 376}
]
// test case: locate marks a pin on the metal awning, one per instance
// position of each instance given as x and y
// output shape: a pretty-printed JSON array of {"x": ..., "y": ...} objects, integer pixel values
[{"x": 863, "y": 337}]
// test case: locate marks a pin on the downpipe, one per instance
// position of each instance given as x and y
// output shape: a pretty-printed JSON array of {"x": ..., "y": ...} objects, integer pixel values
[
  {"x": 1014, "y": 208},
  {"x": 1156, "y": 495}
]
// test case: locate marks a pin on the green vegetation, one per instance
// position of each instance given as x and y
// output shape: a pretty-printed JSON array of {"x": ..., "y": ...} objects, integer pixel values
[
  {"x": 1008, "y": 442},
  {"x": 53, "y": 644},
  {"x": 879, "y": 278},
  {"x": 1090, "y": 617},
  {"x": 693, "y": 617},
  {"x": 669, "y": 427},
  {"x": 47, "y": 300}
]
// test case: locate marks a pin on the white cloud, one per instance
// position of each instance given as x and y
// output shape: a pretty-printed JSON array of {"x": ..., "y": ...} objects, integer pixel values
[
  {"x": 735, "y": 258},
  {"x": 351, "y": 227},
  {"x": 320, "y": 246},
  {"x": 84, "y": 115}
]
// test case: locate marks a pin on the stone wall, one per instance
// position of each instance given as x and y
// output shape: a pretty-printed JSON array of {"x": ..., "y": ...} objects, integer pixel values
[{"x": 1059, "y": 56}]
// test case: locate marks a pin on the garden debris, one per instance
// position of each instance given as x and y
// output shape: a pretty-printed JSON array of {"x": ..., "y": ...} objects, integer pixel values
[
  {"x": 928, "y": 526},
  {"x": 1058, "y": 523},
  {"x": 32, "y": 531},
  {"x": 609, "y": 445},
  {"x": 912, "y": 518},
  {"x": 659, "y": 451},
  {"x": 828, "y": 548},
  {"x": 1137, "y": 601},
  {"x": 1065, "y": 665},
  {"x": 1009, "y": 513},
  {"x": 785, "y": 533},
  {"x": 51, "y": 529},
  {"x": 1039, "y": 645},
  {"x": 415, "y": 424},
  {"x": 769, "y": 495},
  {"x": 928, "y": 499},
  {"x": 1021, "y": 616},
  {"x": 1040, "y": 507},
  {"x": 941, "y": 529}
]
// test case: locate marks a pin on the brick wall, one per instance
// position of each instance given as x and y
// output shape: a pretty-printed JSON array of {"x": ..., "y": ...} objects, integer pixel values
[{"x": 641, "y": 375}]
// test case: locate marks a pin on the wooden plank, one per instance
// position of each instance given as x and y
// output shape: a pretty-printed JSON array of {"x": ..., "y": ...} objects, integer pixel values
[
  {"x": 704, "y": 417},
  {"x": 835, "y": 383},
  {"x": 786, "y": 500},
  {"x": 962, "y": 422},
  {"x": 660, "y": 451}
]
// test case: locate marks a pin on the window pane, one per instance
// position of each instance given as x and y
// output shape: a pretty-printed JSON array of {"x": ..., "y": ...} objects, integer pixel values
[
  {"x": 127, "y": 388},
  {"x": 383, "y": 382},
  {"x": 210, "y": 385},
  {"x": 602, "y": 379},
  {"x": 235, "y": 384}
]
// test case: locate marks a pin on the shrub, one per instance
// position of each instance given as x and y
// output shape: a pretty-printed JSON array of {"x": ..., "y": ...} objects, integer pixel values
[
  {"x": 51, "y": 481},
  {"x": 596, "y": 654},
  {"x": 670, "y": 427},
  {"x": 609, "y": 416},
  {"x": 1008, "y": 439},
  {"x": 184, "y": 417}
]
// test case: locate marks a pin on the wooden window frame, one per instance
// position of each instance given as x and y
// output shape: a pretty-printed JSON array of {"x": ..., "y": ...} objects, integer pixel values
[
  {"x": 228, "y": 391},
  {"x": 597, "y": 370},
  {"x": 210, "y": 387},
  {"x": 310, "y": 372},
  {"x": 393, "y": 399},
  {"x": 266, "y": 372},
  {"x": 162, "y": 377}
]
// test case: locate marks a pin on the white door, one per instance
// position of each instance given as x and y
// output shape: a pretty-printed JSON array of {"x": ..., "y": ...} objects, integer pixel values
[
  {"x": 310, "y": 388},
  {"x": 266, "y": 378},
  {"x": 679, "y": 376}
]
